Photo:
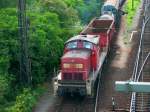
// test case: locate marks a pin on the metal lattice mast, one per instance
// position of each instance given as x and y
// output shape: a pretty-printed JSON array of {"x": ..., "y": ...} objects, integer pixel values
[{"x": 24, "y": 60}]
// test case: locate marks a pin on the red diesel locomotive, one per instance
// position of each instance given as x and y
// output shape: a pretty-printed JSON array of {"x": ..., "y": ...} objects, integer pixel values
[{"x": 85, "y": 54}]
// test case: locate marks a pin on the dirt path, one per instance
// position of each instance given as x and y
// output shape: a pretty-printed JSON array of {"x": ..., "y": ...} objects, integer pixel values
[{"x": 46, "y": 101}]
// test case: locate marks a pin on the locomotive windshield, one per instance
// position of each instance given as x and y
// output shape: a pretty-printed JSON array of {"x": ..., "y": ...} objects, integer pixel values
[
  {"x": 72, "y": 45},
  {"x": 87, "y": 45}
]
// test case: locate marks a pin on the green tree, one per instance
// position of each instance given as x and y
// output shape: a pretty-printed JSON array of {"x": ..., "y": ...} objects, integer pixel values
[
  {"x": 8, "y": 3},
  {"x": 67, "y": 15},
  {"x": 74, "y": 3},
  {"x": 8, "y": 54},
  {"x": 45, "y": 44}
]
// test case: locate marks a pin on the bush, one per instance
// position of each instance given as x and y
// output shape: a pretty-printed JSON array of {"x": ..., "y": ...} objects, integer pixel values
[
  {"x": 4, "y": 87},
  {"x": 131, "y": 11},
  {"x": 26, "y": 100}
]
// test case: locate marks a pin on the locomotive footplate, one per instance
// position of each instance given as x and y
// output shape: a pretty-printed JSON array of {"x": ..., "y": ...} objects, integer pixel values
[{"x": 71, "y": 87}]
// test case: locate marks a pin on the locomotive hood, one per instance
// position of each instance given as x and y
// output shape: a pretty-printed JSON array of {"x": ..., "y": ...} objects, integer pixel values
[
  {"x": 80, "y": 54},
  {"x": 76, "y": 60}
]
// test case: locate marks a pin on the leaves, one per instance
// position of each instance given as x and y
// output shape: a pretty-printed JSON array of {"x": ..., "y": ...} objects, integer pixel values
[
  {"x": 4, "y": 86},
  {"x": 67, "y": 15},
  {"x": 26, "y": 100},
  {"x": 131, "y": 10},
  {"x": 87, "y": 9},
  {"x": 51, "y": 23},
  {"x": 7, "y": 3}
]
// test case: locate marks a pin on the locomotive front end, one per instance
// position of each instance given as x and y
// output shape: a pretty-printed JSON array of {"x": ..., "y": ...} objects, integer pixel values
[{"x": 75, "y": 67}]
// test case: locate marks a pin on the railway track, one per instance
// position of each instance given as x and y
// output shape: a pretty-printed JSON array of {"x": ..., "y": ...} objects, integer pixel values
[
  {"x": 77, "y": 103},
  {"x": 118, "y": 68},
  {"x": 74, "y": 104},
  {"x": 140, "y": 101}
]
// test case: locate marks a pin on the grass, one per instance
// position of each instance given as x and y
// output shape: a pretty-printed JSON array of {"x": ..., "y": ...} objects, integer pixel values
[
  {"x": 131, "y": 10},
  {"x": 131, "y": 14}
]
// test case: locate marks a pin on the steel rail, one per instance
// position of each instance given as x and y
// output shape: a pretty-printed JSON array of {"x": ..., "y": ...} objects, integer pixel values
[
  {"x": 141, "y": 37},
  {"x": 136, "y": 65},
  {"x": 133, "y": 101},
  {"x": 135, "y": 77},
  {"x": 143, "y": 66},
  {"x": 140, "y": 46},
  {"x": 97, "y": 94}
]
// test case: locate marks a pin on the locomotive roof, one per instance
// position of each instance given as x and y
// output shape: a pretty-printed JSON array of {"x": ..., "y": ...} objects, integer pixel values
[
  {"x": 89, "y": 38},
  {"x": 84, "y": 54}
]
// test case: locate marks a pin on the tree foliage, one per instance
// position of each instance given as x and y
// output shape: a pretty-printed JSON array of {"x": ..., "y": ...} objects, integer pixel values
[
  {"x": 45, "y": 44},
  {"x": 87, "y": 9},
  {"x": 51, "y": 23},
  {"x": 8, "y": 3},
  {"x": 26, "y": 100},
  {"x": 67, "y": 15}
]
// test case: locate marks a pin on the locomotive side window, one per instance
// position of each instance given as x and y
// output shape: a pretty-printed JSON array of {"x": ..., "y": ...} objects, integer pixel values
[
  {"x": 72, "y": 45},
  {"x": 87, "y": 45}
]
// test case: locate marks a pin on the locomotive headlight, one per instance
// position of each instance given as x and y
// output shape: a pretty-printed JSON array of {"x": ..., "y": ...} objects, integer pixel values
[
  {"x": 66, "y": 65},
  {"x": 79, "y": 66}
]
